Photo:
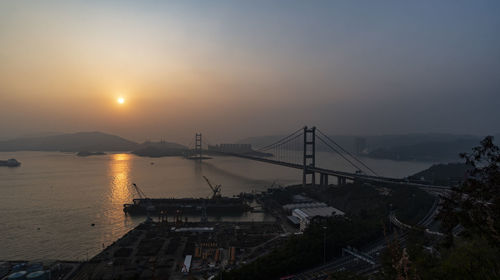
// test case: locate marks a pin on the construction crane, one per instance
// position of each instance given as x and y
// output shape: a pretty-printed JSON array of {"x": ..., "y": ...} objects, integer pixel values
[
  {"x": 215, "y": 190},
  {"x": 139, "y": 192}
]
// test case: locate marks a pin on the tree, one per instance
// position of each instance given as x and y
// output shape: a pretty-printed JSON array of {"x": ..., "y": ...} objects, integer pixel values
[{"x": 475, "y": 204}]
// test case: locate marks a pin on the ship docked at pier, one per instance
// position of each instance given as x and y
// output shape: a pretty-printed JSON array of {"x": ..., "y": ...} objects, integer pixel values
[
  {"x": 216, "y": 205},
  {"x": 222, "y": 205}
]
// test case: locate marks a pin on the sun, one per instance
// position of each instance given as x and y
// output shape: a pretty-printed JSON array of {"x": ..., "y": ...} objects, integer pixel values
[{"x": 120, "y": 100}]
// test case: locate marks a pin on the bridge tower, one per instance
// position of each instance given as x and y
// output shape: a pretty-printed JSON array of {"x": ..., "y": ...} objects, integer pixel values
[
  {"x": 309, "y": 155},
  {"x": 198, "y": 147}
]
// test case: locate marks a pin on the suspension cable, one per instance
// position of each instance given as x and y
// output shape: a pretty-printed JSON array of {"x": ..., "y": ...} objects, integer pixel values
[
  {"x": 345, "y": 151},
  {"x": 206, "y": 141},
  {"x": 279, "y": 141},
  {"x": 335, "y": 150},
  {"x": 285, "y": 147}
]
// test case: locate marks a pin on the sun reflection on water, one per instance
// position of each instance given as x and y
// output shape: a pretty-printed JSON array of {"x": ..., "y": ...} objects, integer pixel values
[
  {"x": 120, "y": 178},
  {"x": 119, "y": 193}
]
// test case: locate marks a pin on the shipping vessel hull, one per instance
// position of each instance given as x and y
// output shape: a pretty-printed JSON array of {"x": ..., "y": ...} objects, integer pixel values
[{"x": 226, "y": 206}]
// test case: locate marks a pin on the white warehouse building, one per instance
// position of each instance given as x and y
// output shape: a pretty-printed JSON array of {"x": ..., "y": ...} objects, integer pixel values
[
  {"x": 304, "y": 215},
  {"x": 289, "y": 207}
]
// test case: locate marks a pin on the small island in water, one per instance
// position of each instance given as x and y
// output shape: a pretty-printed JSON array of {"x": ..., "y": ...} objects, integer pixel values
[
  {"x": 10, "y": 162},
  {"x": 87, "y": 153}
]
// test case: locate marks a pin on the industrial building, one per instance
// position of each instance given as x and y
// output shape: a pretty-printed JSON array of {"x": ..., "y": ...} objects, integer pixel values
[
  {"x": 305, "y": 215},
  {"x": 289, "y": 207}
]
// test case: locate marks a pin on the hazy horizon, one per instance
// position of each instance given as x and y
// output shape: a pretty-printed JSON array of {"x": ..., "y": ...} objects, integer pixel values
[
  {"x": 239, "y": 140},
  {"x": 235, "y": 70}
]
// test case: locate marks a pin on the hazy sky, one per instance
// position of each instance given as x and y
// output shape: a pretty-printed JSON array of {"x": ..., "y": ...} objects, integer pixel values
[{"x": 232, "y": 69}]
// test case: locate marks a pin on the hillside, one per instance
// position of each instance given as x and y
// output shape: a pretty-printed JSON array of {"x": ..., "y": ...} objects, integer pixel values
[
  {"x": 159, "y": 149},
  {"x": 443, "y": 174},
  {"x": 71, "y": 142},
  {"x": 397, "y": 146},
  {"x": 426, "y": 151}
]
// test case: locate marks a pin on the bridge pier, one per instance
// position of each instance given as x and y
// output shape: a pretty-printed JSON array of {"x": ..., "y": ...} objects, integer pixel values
[
  {"x": 341, "y": 181},
  {"x": 323, "y": 179},
  {"x": 304, "y": 179}
]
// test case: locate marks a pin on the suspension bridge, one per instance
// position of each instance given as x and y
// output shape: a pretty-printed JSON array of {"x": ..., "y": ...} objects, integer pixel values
[{"x": 298, "y": 150}]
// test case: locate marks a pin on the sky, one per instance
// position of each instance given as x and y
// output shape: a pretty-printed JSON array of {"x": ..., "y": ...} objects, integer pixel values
[{"x": 234, "y": 69}]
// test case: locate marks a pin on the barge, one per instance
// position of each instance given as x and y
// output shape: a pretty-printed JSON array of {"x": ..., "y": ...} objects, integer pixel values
[
  {"x": 221, "y": 205},
  {"x": 215, "y": 205}
]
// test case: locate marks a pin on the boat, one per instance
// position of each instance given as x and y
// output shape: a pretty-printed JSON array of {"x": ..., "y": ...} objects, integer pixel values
[
  {"x": 12, "y": 162},
  {"x": 215, "y": 205},
  {"x": 223, "y": 205}
]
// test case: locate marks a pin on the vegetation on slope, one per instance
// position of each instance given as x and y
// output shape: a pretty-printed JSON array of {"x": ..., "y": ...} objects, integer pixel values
[
  {"x": 302, "y": 252},
  {"x": 366, "y": 210},
  {"x": 475, "y": 253}
]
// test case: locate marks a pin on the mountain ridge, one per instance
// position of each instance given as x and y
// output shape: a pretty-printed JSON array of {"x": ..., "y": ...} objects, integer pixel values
[{"x": 70, "y": 142}]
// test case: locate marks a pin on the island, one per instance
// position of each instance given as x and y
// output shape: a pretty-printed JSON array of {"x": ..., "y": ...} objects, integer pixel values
[
  {"x": 160, "y": 149},
  {"x": 87, "y": 153}
]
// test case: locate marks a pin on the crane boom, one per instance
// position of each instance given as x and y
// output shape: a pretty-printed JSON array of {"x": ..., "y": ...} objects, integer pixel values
[
  {"x": 215, "y": 190},
  {"x": 139, "y": 192},
  {"x": 209, "y": 184}
]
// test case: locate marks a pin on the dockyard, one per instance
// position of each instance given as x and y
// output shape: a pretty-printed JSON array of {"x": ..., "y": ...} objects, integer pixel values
[{"x": 174, "y": 250}]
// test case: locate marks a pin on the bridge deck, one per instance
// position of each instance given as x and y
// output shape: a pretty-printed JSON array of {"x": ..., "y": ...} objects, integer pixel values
[{"x": 335, "y": 173}]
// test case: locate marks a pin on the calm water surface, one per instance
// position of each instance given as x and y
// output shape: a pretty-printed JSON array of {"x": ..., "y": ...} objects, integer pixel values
[{"x": 48, "y": 204}]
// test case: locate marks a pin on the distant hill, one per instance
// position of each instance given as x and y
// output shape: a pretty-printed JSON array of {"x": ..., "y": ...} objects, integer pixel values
[
  {"x": 394, "y": 140},
  {"x": 159, "y": 149},
  {"x": 426, "y": 151},
  {"x": 28, "y": 135},
  {"x": 162, "y": 144},
  {"x": 346, "y": 141},
  {"x": 408, "y": 147},
  {"x": 71, "y": 142},
  {"x": 443, "y": 174}
]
